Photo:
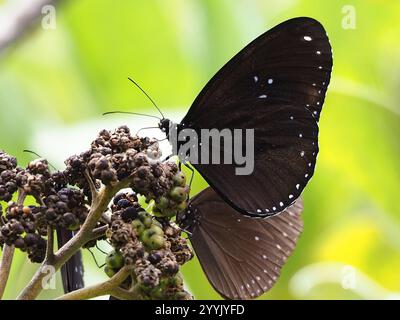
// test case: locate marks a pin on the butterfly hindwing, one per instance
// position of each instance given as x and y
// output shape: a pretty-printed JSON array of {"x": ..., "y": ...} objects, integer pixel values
[{"x": 241, "y": 256}]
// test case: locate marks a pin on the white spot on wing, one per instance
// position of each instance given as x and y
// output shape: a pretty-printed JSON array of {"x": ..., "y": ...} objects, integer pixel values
[{"x": 307, "y": 38}]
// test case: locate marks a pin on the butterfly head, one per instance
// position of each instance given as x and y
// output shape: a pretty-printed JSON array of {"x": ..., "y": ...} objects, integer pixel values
[{"x": 164, "y": 125}]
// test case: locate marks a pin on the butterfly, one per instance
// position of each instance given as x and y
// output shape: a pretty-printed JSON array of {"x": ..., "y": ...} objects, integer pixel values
[
  {"x": 276, "y": 85},
  {"x": 241, "y": 256}
]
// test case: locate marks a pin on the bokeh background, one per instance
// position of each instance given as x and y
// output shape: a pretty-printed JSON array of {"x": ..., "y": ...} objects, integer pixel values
[{"x": 57, "y": 77}]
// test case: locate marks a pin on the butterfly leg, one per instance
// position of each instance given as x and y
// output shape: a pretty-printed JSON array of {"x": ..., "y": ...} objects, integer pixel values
[
  {"x": 192, "y": 171},
  {"x": 101, "y": 250},
  {"x": 167, "y": 158},
  {"x": 95, "y": 260}
]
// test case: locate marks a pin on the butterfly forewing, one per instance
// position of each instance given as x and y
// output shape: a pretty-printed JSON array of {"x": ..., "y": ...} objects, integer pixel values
[
  {"x": 276, "y": 86},
  {"x": 291, "y": 62},
  {"x": 241, "y": 256}
]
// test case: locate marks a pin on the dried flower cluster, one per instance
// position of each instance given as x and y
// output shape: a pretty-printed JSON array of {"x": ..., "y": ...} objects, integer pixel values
[
  {"x": 147, "y": 240},
  {"x": 151, "y": 244}
]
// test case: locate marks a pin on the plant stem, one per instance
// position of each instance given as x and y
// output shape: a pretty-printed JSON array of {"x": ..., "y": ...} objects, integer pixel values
[
  {"x": 50, "y": 244},
  {"x": 98, "y": 206},
  {"x": 5, "y": 267},
  {"x": 100, "y": 289},
  {"x": 8, "y": 252},
  {"x": 98, "y": 232},
  {"x": 124, "y": 294}
]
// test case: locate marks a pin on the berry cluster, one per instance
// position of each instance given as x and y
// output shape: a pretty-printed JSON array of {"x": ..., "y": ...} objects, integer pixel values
[
  {"x": 22, "y": 231},
  {"x": 25, "y": 227},
  {"x": 8, "y": 176},
  {"x": 151, "y": 244},
  {"x": 148, "y": 241},
  {"x": 175, "y": 201},
  {"x": 66, "y": 208}
]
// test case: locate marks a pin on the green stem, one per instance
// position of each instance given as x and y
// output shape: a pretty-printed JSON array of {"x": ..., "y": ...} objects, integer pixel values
[{"x": 100, "y": 289}]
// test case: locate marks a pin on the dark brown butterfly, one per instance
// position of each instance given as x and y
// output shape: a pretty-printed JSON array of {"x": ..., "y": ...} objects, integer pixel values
[
  {"x": 241, "y": 256},
  {"x": 276, "y": 85}
]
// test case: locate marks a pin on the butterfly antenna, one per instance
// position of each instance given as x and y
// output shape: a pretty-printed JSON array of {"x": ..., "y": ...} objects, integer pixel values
[
  {"x": 128, "y": 112},
  {"x": 38, "y": 155},
  {"x": 95, "y": 260},
  {"x": 144, "y": 92},
  {"x": 145, "y": 129}
]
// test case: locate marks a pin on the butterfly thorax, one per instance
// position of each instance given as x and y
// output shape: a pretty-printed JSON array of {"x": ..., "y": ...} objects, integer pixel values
[{"x": 188, "y": 219}]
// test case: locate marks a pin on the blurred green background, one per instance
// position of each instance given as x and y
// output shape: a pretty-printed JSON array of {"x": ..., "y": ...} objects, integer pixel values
[{"x": 55, "y": 83}]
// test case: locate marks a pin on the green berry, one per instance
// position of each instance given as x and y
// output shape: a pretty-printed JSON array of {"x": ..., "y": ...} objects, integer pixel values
[
  {"x": 115, "y": 260},
  {"x": 109, "y": 271},
  {"x": 176, "y": 281},
  {"x": 178, "y": 194},
  {"x": 169, "y": 212},
  {"x": 138, "y": 226},
  {"x": 181, "y": 206},
  {"x": 145, "y": 218},
  {"x": 153, "y": 237},
  {"x": 179, "y": 179},
  {"x": 162, "y": 202},
  {"x": 156, "y": 229},
  {"x": 157, "y": 223},
  {"x": 156, "y": 242}
]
